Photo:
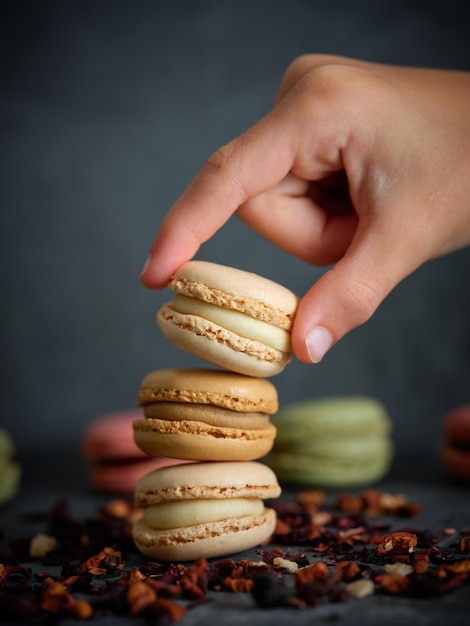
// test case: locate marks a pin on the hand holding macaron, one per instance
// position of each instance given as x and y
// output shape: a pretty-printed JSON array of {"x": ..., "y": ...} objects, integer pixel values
[{"x": 359, "y": 165}]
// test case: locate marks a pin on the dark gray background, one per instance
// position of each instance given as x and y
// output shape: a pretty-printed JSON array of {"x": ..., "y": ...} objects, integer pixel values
[{"x": 108, "y": 109}]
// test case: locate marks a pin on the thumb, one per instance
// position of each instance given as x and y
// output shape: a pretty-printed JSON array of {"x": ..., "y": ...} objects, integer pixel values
[{"x": 349, "y": 293}]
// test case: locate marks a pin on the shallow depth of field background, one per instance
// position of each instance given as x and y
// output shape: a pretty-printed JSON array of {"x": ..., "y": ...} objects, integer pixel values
[{"x": 108, "y": 109}]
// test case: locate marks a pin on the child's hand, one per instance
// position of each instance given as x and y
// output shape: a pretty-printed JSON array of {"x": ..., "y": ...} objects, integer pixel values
[{"x": 359, "y": 165}]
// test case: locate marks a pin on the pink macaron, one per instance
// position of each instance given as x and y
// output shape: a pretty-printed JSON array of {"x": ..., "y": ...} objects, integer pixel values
[
  {"x": 115, "y": 463},
  {"x": 456, "y": 446}
]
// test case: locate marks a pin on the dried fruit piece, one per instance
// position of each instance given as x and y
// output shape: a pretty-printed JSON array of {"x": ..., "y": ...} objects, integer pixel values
[{"x": 400, "y": 541}]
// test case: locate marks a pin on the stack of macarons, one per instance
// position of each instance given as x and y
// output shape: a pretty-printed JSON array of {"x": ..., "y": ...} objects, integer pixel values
[
  {"x": 332, "y": 442},
  {"x": 218, "y": 418}
]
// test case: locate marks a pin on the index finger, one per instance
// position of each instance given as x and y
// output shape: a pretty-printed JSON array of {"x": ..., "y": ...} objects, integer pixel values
[
  {"x": 241, "y": 169},
  {"x": 294, "y": 136}
]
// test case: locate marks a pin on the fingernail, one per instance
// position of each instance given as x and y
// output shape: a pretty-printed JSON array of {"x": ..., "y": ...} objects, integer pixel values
[
  {"x": 318, "y": 342},
  {"x": 146, "y": 266}
]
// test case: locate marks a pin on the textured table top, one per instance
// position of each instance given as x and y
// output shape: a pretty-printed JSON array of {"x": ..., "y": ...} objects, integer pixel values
[{"x": 444, "y": 504}]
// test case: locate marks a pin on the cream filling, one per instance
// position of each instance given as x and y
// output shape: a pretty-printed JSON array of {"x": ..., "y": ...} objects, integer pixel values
[
  {"x": 178, "y": 514},
  {"x": 235, "y": 321}
]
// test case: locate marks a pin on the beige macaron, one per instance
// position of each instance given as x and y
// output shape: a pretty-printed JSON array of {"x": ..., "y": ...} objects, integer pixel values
[
  {"x": 231, "y": 318},
  {"x": 205, "y": 415},
  {"x": 204, "y": 510}
]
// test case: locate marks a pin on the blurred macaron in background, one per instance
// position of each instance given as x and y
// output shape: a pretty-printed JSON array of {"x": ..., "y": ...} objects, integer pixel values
[
  {"x": 455, "y": 450},
  {"x": 115, "y": 463},
  {"x": 10, "y": 469},
  {"x": 332, "y": 442}
]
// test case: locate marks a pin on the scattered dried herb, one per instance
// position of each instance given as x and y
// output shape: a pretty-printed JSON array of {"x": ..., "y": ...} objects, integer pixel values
[{"x": 348, "y": 550}]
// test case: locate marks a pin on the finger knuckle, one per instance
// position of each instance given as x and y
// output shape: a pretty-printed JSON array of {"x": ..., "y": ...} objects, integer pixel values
[
  {"x": 361, "y": 297},
  {"x": 344, "y": 91},
  {"x": 220, "y": 160},
  {"x": 223, "y": 165},
  {"x": 305, "y": 63}
]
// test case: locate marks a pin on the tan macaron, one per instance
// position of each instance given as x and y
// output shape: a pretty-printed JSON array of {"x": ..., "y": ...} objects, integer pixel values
[
  {"x": 229, "y": 317},
  {"x": 206, "y": 415},
  {"x": 204, "y": 510}
]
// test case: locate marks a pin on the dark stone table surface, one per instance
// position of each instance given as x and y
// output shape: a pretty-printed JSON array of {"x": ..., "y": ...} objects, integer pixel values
[{"x": 445, "y": 504}]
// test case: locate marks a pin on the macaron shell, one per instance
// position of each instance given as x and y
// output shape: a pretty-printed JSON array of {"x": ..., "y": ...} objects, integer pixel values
[
  {"x": 295, "y": 469},
  {"x": 121, "y": 478},
  {"x": 334, "y": 441},
  {"x": 110, "y": 437},
  {"x": 332, "y": 417},
  {"x": 347, "y": 449},
  {"x": 202, "y": 442},
  {"x": 209, "y": 386},
  {"x": 249, "y": 479},
  {"x": 237, "y": 289},
  {"x": 219, "y": 346},
  {"x": 213, "y": 539}
]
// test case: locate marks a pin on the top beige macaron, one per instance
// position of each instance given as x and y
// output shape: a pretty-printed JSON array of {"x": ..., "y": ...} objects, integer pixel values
[{"x": 230, "y": 317}]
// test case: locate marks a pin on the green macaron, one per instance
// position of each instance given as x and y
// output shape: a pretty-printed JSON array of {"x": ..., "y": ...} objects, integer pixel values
[
  {"x": 10, "y": 470},
  {"x": 332, "y": 442}
]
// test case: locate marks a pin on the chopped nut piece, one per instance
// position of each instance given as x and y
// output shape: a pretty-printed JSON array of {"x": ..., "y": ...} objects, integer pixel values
[
  {"x": 290, "y": 566},
  {"x": 390, "y": 502},
  {"x": 402, "y": 569},
  {"x": 322, "y": 518},
  {"x": 41, "y": 544},
  {"x": 361, "y": 588}
]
